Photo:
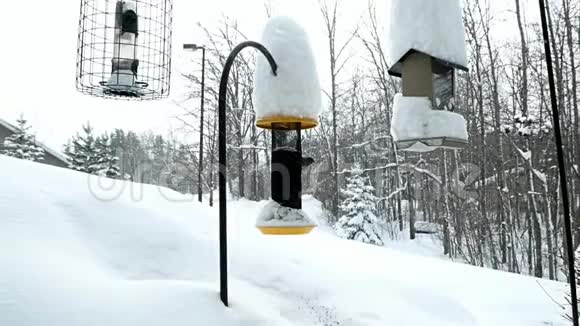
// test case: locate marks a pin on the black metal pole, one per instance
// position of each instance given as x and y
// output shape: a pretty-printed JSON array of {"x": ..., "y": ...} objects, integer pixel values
[
  {"x": 223, "y": 158},
  {"x": 199, "y": 187},
  {"x": 561, "y": 165}
]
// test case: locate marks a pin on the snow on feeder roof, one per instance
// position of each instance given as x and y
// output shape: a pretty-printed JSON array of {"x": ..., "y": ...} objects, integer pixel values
[
  {"x": 426, "y": 45},
  {"x": 434, "y": 28},
  {"x": 124, "y": 48},
  {"x": 290, "y": 99}
]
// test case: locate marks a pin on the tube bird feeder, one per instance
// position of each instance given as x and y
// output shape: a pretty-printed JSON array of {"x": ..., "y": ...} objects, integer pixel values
[
  {"x": 124, "y": 49},
  {"x": 286, "y": 103}
]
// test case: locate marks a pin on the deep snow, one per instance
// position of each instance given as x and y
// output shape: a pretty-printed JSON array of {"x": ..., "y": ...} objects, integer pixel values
[{"x": 143, "y": 255}]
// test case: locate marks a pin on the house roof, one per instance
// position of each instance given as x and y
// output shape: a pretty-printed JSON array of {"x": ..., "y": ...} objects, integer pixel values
[{"x": 47, "y": 149}]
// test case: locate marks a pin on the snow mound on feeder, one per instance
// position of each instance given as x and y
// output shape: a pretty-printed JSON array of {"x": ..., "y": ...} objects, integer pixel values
[
  {"x": 413, "y": 118},
  {"x": 276, "y": 215},
  {"x": 295, "y": 91},
  {"x": 432, "y": 27}
]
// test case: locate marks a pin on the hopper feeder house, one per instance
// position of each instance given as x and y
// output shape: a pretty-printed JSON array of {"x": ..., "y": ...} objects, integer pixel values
[{"x": 426, "y": 46}]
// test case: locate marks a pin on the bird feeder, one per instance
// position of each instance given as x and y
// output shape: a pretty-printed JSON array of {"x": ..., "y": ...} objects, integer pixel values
[
  {"x": 124, "y": 48},
  {"x": 423, "y": 119},
  {"x": 286, "y": 103}
]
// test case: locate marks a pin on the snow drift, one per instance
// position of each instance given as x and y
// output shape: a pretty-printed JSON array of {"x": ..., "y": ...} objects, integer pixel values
[{"x": 142, "y": 255}]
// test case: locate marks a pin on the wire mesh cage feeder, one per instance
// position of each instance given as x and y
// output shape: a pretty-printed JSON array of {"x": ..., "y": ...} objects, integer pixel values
[{"x": 124, "y": 49}]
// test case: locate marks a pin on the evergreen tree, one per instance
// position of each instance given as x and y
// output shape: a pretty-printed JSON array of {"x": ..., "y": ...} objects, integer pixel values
[
  {"x": 159, "y": 158},
  {"x": 107, "y": 160},
  {"x": 82, "y": 152},
  {"x": 358, "y": 221},
  {"x": 135, "y": 158},
  {"x": 22, "y": 145}
]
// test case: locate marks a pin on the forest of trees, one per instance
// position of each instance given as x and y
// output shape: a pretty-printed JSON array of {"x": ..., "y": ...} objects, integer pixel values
[{"x": 146, "y": 158}]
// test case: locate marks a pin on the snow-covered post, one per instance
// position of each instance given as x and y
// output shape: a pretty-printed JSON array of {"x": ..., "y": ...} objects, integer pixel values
[
  {"x": 286, "y": 104},
  {"x": 426, "y": 44},
  {"x": 287, "y": 95}
]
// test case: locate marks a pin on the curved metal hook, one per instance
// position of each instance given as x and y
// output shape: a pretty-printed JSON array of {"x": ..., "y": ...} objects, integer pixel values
[{"x": 223, "y": 157}]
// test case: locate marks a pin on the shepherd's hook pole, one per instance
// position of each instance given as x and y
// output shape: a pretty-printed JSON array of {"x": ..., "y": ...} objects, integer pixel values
[{"x": 223, "y": 230}]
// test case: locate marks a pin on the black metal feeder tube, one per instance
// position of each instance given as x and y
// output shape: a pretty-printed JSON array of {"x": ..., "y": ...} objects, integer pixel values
[
  {"x": 126, "y": 33},
  {"x": 286, "y": 173}
]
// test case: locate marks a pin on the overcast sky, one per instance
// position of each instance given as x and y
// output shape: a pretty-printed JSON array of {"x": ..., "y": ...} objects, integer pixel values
[{"x": 38, "y": 56}]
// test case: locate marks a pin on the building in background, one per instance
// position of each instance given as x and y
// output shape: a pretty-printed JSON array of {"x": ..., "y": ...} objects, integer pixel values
[{"x": 51, "y": 157}]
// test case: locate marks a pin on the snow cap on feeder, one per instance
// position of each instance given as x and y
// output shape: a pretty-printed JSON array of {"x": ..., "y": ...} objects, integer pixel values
[
  {"x": 291, "y": 98},
  {"x": 124, "y": 48},
  {"x": 426, "y": 45}
]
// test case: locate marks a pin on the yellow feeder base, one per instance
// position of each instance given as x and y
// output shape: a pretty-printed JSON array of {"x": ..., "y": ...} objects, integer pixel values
[
  {"x": 286, "y": 123},
  {"x": 299, "y": 230}
]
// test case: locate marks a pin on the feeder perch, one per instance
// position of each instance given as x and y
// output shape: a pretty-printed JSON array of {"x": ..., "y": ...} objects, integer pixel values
[
  {"x": 286, "y": 103},
  {"x": 124, "y": 49},
  {"x": 423, "y": 119}
]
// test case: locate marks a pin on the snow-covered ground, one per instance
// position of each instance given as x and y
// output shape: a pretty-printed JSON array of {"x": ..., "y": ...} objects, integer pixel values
[{"x": 143, "y": 255}]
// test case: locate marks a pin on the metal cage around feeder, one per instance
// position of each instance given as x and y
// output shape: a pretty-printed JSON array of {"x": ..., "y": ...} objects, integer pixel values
[{"x": 124, "y": 48}]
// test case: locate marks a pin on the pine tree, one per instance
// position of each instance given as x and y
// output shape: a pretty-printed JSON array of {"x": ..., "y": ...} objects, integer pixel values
[
  {"x": 159, "y": 158},
  {"x": 82, "y": 152},
  {"x": 358, "y": 221},
  {"x": 108, "y": 162},
  {"x": 22, "y": 145}
]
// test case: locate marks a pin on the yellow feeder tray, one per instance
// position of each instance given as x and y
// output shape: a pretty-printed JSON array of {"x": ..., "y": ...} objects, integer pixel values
[
  {"x": 286, "y": 122},
  {"x": 293, "y": 230}
]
